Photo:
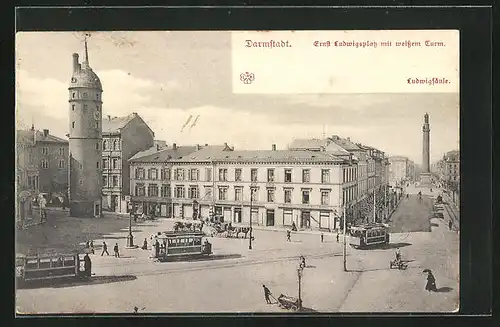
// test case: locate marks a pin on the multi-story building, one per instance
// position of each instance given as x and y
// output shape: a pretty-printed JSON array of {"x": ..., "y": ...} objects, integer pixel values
[
  {"x": 401, "y": 170},
  {"x": 41, "y": 166},
  {"x": 449, "y": 172},
  {"x": 122, "y": 138},
  {"x": 305, "y": 187},
  {"x": 42, "y": 162}
]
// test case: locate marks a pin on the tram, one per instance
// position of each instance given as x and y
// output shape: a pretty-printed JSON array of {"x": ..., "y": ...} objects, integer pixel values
[
  {"x": 368, "y": 235},
  {"x": 49, "y": 267},
  {"x": 176, "y": 245}
]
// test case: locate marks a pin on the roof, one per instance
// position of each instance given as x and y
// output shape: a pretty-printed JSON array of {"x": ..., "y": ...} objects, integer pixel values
[
  {"x": 344, "y": 143},
  {"x": 116, "y": 124},
  {"x": 85, "y": 78},
  {"x": 398, "y": 158},
  {"x": 307, "y": 144},
  {"x": 162, "y": 155},
  {"x": 27, "y": 136},
  {"x": 453, "y": 155},
  {"x": 273, "y": 156}
]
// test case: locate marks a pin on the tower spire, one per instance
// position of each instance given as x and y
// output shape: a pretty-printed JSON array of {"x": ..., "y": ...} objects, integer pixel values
[{"x": 86, "y": 51}]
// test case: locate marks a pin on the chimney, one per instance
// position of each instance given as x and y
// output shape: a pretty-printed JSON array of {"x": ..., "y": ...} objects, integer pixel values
[
  {"x": 225, "y": 144},
  {"x": 109, "y": 117},
  {"x": 335, "y": 137},
  {"x": 349, "y": 139},
  {"x": 157, "y": 147},
  {"x": 76, "y": 65},
  {"x": 45, "y": 132},
  {"x": 274, "y": 147},
  {"x": 32, "y": 127},
  {"x": 174, "y": 146},
  {"x": 198, "y": 147},
  {"x": 206, "y": 144}
]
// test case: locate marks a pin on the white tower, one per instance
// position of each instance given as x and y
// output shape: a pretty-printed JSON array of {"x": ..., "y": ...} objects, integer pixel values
[{"x": 85, "y": 138}]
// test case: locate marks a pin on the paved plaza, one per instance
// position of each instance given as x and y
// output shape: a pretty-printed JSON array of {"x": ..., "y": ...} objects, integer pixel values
[{"x": 231, "y": 280}]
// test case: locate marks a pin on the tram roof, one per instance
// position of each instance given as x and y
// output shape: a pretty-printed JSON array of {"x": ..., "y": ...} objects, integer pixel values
[
  {"x": 370, "y": 226},
  {"x": 180, "y": 233}
]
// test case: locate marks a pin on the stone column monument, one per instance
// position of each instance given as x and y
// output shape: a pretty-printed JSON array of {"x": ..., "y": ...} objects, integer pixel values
[{"x": 425, "y": 175}]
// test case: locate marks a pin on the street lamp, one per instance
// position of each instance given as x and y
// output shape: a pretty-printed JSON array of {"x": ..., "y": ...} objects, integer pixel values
[
  {"x": 251, "y": 204},
  {"x": 130, "y": 237},
  {"x": 345, "y": 243},
  {"x": 299, "y": 274}
]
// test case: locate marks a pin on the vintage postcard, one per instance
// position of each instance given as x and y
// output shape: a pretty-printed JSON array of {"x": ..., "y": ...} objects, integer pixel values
[{"x": 237, "y": 171}]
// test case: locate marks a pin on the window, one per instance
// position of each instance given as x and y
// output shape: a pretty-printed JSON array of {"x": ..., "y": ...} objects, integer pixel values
[
  {"x": 222, "y": 193},
  {"x": 238, "y": 194},
  {"x": 165, "y": 191},
  {"x": 165, "y": 174},
  {"x": 104, "y": 180},
  {"x": 153, "y": 173},
  {"x": 193, "y": 192},
  {"x": 288, "y": 175},
  {"x": 61, "y": 151},
  {"x": 45, "y": 163},
  {"x": 96, "y": 124},
  {"x": 85, "y": 94},
  {"x": 222, "y": 174},
  {"x": 193, "y": 174},
  {"x": 45, "y": 151},
  {"x": 115, "y": 181},
  {"x": 105, "y": 145},
  {"x": 73, "y": 95},
  {"x": 97, "y": 96},
  {"x": 208, "y": 174},
  {"x": 325, "y": 197},
  {"x": 116, "y": 145},
  {"x": 73, "y": 107},
  {"x": 105, "y": 164},
  {"x": 270, "y": 175},
  {"x": 237, "y": 174},
  {"x": 288, "y": 196},
  {"x": 61, "y": 163},
  {"x": 305, "y": 196},
  {"x": 140, "y": 190},
  {"x": 270, "y": 195},
  {"x": 179, "y": 174},
  {"x": 325, "y": 176},
  {"x": 85, "y": 107},
  {"x": 97, "y": 146},
  {"x": 98, "y": 107},
  {"x": 139, "y": 173},
  {"x": 253, "y": 194},
  {"x": 306, "y": 176},
  {"x": 253, "y": 174},
  {"x": 152, "y": 190},
  {"x": 179, "y": 192},
  {"x": 97, "y": 164}
]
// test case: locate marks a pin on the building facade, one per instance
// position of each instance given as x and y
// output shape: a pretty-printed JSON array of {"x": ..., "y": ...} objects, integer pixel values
[
  {"x": 122, "y": 138},
  {"x": 85, "y": 140},
  {"x": 449, "y": 172},
  {"x": 401, "y": 170},
  {"x": 302, "y": 187}
]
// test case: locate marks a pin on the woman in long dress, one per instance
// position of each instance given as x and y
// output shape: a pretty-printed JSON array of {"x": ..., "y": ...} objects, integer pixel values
[{"x": 431, "y": 282}]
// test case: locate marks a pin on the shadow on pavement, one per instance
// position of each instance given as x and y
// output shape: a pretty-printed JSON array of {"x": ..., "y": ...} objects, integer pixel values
[
  {"x": 304, "y": 309},
  {"x": 445, "y": 289},
  {"x": 207, "y": 258},
  {"x": 77, "y": 282},
  {"x": 387, "y": 246}
]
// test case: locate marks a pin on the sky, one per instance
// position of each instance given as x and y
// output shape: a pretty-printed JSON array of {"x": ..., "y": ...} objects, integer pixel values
[{"x": 166, "y": 77}]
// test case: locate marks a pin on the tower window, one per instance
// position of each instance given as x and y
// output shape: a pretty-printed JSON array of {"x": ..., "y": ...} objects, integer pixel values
[
  {"x": 97, "y": 164},
  {"x": 98, "y": 107},
  {"x": 73, "y": 125},
  {"x": 85, "y": 107},
  {"x": 74, "y": 95},
  {"x": 81, "y": 181},
  {"x": 84, "y": 94},
  {"x": 96, "y": 124},
  {"x": 97, "y": 146},
  {"x": 73, "y": 107},
  {"x": 97, "y": 96}
]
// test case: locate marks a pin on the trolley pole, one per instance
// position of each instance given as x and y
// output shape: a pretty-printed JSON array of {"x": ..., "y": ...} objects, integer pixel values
[{"x": 345, "y": 243}]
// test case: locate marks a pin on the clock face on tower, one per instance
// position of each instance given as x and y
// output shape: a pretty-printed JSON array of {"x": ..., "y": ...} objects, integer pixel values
[
  {"x": 97, "y": 115},
  {"x": 73, "y": 79}
]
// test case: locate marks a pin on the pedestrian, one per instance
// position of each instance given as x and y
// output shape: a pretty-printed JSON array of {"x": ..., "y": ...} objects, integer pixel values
[
  {"x": 157, "y": 249},
  {"x": 398, "y": 255},
  {"x": 92, "y": 247},
  {"x": 322, "y": 237},
  {"x": 87, "y": 265},
  {"x": 302, "y": 262},
  {"x": 87, "y": 245},
  {"x": 450, "y": 225},
  {"x": 115, "y": 249},
  {"x": 145, "y": 244},
  {"x": 104, "y": 249},
  {"x": 267, "y": 293},
  {"x": 288, "y": 236},
  {"x": 337, "y": 237},
  {"x": 431, "y": 282}
]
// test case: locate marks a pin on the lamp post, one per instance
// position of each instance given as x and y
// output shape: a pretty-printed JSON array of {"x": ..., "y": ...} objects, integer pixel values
[
  {"x": 344, "y": 252},
  {"x": 299, "y": 274},
  {"x": 251, "y": 204},
  {"x": 130, "y": 237}
]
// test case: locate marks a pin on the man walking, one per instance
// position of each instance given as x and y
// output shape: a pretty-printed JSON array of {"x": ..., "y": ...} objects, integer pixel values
[
  {"x": 337, "y": 237},
  {"x": 450, "y": 225},
  {"x": 322, "y": 237},
  {"x": 267, "y": 293},
  {"x": 288, "y": 236},
  {"x": 117, "y": 254},
  {"x": 104, "y": 249}
]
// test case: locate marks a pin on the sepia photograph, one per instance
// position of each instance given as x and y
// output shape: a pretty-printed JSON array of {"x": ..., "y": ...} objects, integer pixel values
[{"x": 237, "y": 172}]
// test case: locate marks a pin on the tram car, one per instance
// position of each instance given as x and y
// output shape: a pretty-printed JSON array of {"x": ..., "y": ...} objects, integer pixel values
[
  {"x": 49, "y": 267},
  {"x": 368, "y": 235},
  {"x": 177, "y": 245}
]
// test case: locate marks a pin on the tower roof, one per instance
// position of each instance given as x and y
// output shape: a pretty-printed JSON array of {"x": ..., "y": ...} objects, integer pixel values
[{"x": 83, "y": 75}]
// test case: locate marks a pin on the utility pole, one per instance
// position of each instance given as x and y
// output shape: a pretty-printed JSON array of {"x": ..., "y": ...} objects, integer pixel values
[
  {"x": 374, "y": 208},
  {"x": 345, "y": 242},
  {"x": 251, "y": 203}
]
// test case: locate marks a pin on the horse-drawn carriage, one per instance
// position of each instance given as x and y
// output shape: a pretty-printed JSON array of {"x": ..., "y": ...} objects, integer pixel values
[
  {"x": 195, "y": 226},
  {"x": 289, "y": 302},
  {"x": 229, "y": 231}
]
